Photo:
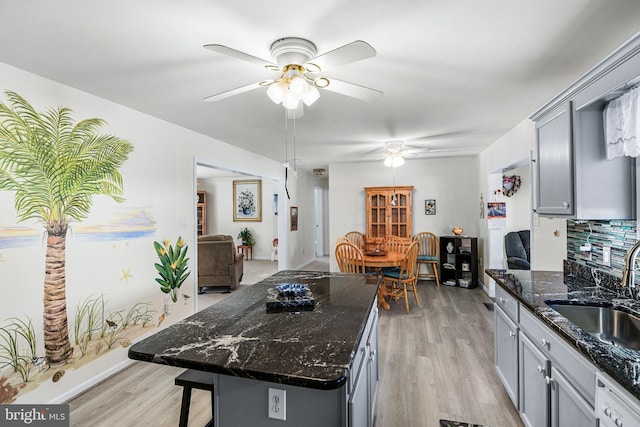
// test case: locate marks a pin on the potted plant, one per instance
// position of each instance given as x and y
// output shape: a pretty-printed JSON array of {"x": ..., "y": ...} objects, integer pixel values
[
  {"x": 173, "y": 266},
  {"x": 246, "y": 236}
]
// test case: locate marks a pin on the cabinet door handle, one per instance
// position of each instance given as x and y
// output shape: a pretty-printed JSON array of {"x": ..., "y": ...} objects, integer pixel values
[
  {"x": 541, "y": 370},
  {"x": 548, "y": 380},
  {"x": 544, "y": 342},
  {"x": 512, "y": 334},
  {"x": 502, "y": 300},
  {"x": 372, "y": 356},
  {"x": 565, "y": 205}
]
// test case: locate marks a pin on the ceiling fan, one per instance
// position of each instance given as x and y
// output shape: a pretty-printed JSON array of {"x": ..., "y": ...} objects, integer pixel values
[
  {"x": 396, "y": 151},
  {"x": 300, "y": 71}
]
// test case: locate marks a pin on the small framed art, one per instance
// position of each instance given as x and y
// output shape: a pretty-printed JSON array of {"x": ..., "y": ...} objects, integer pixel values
[
  {"x": 430, "y": 207},
  {"x": 294, "y": 218},
  {"x": 247, "y": 200}
]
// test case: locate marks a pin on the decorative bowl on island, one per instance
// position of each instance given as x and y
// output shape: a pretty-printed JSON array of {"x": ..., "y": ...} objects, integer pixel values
[{"x": 292, "y": 289}]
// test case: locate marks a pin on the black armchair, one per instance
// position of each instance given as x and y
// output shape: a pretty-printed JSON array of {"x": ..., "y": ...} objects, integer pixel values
[{"x": 517, "y": 249}]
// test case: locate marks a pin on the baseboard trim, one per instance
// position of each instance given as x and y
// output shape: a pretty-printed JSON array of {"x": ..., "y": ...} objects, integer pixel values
[{"x": 98, "y": 379}]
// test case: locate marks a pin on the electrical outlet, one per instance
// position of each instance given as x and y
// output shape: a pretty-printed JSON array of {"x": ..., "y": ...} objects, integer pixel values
[
  {"x": 606, "y": 256},
  {"x": 277, "y": 404}
]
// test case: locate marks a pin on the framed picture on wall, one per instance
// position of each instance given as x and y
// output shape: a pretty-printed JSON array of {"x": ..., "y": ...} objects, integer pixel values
[
  {"x": 247, "y": 200},
  {"x": 430, "y": 207},
  {"x": 294, "y": 218}
]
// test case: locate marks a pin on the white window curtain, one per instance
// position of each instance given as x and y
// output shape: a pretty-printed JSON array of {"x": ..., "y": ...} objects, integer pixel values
[{"x": 622, "y": 125}]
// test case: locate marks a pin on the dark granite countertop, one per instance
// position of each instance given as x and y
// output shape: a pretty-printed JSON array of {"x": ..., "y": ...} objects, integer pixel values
[
  {"x": 238, "y": 337},
  {"x": 533, "y": 288}
]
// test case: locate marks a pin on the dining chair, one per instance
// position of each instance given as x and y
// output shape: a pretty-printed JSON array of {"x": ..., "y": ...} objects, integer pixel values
[
  {"x": 342, "y": 239},
  {"x": 395, "y": 244},
  {"x": 349, "y": 257},
  {"x": 429, "y": 245},
  {"x": 357, "y": 238},
  {"x": 399, "y": 282}
]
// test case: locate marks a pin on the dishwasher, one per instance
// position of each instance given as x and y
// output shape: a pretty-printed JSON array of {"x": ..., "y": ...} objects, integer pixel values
[{"x": 615, "y": 406}]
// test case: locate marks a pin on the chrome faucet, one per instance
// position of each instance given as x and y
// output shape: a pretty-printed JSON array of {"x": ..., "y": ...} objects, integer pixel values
[{"x": 629, "y": 274}]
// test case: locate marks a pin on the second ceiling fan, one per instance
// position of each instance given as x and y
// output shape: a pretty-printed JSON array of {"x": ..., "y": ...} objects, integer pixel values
[{"x": 300, "y": 69}]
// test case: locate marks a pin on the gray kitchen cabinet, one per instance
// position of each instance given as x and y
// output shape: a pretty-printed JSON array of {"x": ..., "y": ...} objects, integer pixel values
[
  {"x": 358, "y": 405},
  {"x": 574, "y": 178},
  {"x": 555, "y": 163},
  {"x": 549, "y": 382},
  {"x": 534, "y": 389},
  {"x": 506, "y": 352},
  {"x": 372, "y": 369},
  {"x": 568, "y": 408},
  {"x": 557, "y": 384},
  {"x": 364, "y": 376}
]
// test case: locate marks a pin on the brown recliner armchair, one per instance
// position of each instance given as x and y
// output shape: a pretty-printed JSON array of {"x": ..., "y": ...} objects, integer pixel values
[{"x": 219, "y": 264}]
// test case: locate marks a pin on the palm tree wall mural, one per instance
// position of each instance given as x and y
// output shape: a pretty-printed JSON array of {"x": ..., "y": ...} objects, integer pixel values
[{"x": 56, "y": 166}]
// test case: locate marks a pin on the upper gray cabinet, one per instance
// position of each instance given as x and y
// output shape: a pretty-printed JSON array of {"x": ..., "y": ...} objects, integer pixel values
[
  {"x": 555, "y": 162},
  {"x": 574, "y": 178}
]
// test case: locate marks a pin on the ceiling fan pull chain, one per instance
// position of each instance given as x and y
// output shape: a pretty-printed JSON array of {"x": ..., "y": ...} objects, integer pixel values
[{"x": 295, "y": 160}]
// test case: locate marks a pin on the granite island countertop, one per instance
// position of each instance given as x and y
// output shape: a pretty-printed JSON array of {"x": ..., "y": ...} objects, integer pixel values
[
  {"x": 533, "y": 288},
  {"x": 238, "y": 337}
]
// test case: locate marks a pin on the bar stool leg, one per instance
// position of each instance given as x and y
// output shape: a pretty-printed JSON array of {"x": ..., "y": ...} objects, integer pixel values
[{"x": 184, "y": 410}]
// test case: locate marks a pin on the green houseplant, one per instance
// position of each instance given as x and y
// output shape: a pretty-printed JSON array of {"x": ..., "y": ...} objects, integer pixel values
[
  {"x": 173, "y": 266},
  {"x": 246, "y": 236}
]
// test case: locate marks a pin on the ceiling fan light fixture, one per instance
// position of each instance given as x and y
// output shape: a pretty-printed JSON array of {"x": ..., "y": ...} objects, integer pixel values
[
  {"x": 290, "y": 101},
  {"x": 312, "y": 95},
  {"x": 277, "y": 91},
  {"x": 393, "y": 161},
  {"x": 298, "y": 86}
]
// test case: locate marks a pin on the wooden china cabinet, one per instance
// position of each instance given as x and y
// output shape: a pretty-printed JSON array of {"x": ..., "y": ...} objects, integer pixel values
[
  {"x": 389, "y": 212},
  {"x": 202, "y": 213}
]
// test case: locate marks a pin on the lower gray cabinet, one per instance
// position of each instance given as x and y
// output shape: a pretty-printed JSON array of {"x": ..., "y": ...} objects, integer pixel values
[
  {"x": 358, "y": 405},
  {"x": 551, "y": 373},
  {"x": 568, "y": 408},
  {"x": 506, "y": 353},
  {"x": 364, "y": 374},
  {"x": 372, "y": 370},
  {"x": 549, "y": 382},
  {"x": 534, "y": 387}
]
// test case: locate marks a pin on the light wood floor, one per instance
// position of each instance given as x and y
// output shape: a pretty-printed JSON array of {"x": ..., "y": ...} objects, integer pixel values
[{"x": 435, "y": 362}]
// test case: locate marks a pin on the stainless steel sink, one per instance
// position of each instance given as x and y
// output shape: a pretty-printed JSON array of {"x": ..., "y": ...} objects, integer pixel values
[{"x": 606, "y": 324}]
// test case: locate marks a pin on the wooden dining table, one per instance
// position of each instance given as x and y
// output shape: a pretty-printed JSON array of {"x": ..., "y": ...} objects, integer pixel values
[{"x": 379, "y": 260}]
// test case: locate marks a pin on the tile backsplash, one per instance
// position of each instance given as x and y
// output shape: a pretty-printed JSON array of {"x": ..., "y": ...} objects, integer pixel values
[{"x": 620, "y": 235}]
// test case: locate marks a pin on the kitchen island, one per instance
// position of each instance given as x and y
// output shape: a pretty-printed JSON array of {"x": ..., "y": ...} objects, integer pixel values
[{"x": 324, "y": 358}]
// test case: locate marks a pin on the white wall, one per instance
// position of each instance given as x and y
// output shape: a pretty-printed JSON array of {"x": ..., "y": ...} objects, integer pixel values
[
  {"x": 519, "y": 205},
  {"x": 547, "y": 249},
  {"x": 159, "y": 179},
  {"x": 220, "y": 213},
  {"x": 452, "y": 182},
  {"x": 302, "y": 242}
]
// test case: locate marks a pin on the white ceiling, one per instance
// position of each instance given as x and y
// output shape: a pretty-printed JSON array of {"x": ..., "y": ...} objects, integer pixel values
[{"x": 462, "y": 72}]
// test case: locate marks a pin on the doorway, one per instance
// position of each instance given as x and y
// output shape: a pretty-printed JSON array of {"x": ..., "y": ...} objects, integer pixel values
[{"x": 217, "y": 186}]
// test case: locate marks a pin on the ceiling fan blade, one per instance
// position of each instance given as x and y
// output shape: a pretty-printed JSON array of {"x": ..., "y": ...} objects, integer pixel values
[
  {"x": 352, "y": 52},
  {"x": 225, "y": 50},
  {"x": 353, "y": 90},
  {"x": 232, "y": 92},
  {"x": 419, "y": 151}
]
